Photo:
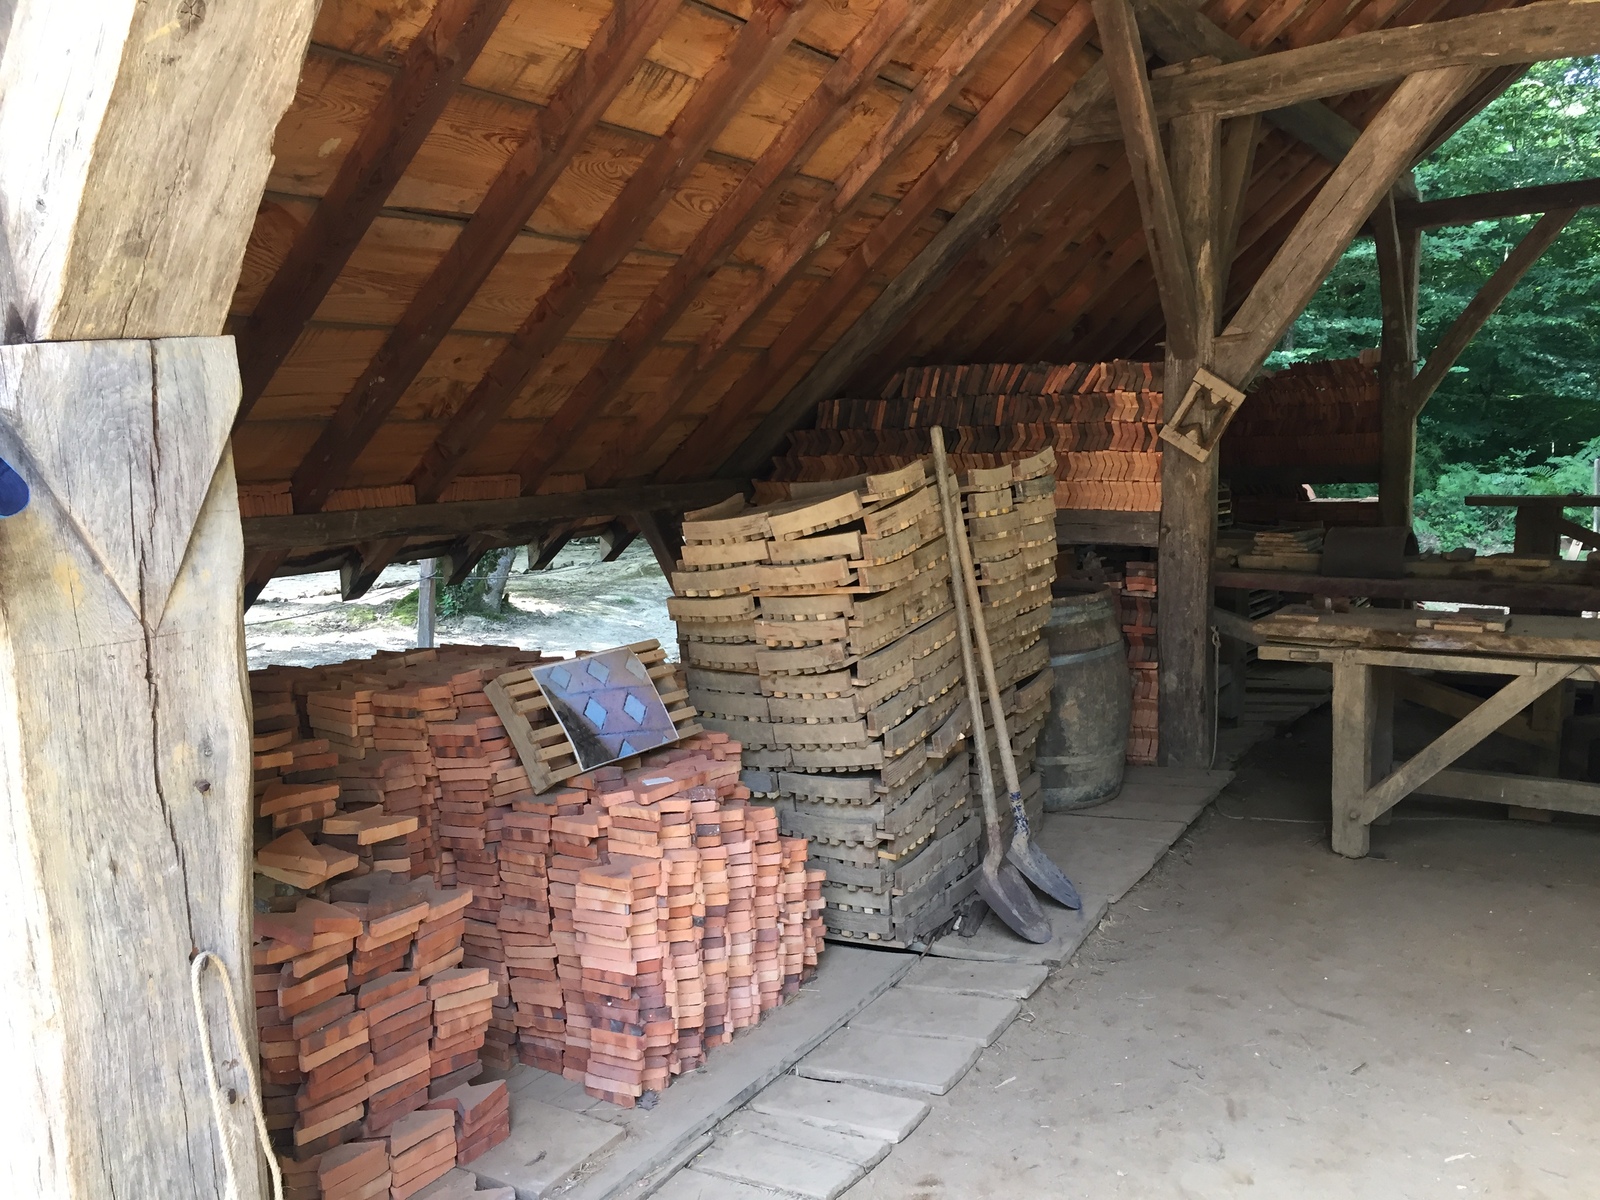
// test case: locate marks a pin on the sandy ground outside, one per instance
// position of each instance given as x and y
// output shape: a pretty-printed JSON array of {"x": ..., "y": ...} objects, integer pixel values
[
  {"x": 1261, "y": 1018},
  {"x": 578, "y": 603}
]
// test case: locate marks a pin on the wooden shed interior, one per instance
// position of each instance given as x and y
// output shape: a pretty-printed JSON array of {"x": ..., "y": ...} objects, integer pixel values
[{"x": 517, "y": 266}]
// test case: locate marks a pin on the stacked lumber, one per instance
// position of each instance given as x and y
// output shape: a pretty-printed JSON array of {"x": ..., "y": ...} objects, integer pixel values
[
  {"x": 1313, "y": 414},
  {"x": 1100, "y": 419},
  {"x": 1285, "y": 548},
  {"x": 1139, "y": 613}
]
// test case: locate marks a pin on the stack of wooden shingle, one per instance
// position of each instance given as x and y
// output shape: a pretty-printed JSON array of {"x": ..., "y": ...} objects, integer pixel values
[
  {"x": 818, "y": 632},
  {"x": 1101, "y": 419}
]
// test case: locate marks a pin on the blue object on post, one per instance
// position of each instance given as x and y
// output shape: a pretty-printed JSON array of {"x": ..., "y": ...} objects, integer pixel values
[{"x": 13, "y": 491}]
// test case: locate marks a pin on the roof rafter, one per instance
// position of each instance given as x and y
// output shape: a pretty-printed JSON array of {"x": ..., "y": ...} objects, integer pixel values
[
  {"x": 712, "y": 437},
  {"x": 434, "y": 65},
  {"x": 932, "y": 95},
  {"x": 852, "y": 73},
  {"x": 747, "y": 60},
  {"x": 614, "y": 53}
]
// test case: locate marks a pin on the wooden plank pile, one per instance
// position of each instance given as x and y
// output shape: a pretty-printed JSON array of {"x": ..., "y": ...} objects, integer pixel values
[
  {"x": 818, "y": 631},
  {"x": 1100, "y": 419},
  {"x": 1285, "y": 548},
  {"x": 1139, "y": 613},
  {"x": 1312, "y": 414}
]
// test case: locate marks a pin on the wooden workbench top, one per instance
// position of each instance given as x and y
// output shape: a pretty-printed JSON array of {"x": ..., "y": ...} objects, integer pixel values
[{"x": 1390, "y": 629}]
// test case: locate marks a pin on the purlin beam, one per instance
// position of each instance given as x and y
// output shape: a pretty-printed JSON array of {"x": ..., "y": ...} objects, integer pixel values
[
  {"x": 855, "y": 70},
  {"x": 1492, "y": 206},
  {"x": 748, "y": 59},
  {"x": 435, "y": 63},
  {"x": 558, "y": 131}
]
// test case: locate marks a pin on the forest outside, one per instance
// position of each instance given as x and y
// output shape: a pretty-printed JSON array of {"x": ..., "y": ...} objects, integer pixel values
[{"x": 1520, "y": 411}]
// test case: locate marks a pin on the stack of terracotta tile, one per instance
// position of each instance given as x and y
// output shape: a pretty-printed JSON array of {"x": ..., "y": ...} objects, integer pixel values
[
  {"x": 479, "y": 1117},
  {"x": 422, "y": 1149},
  {"x": 1101, "y": 419},
  {"x": 1312, "y": 415},
  {"x": 1139, "y": 613}
]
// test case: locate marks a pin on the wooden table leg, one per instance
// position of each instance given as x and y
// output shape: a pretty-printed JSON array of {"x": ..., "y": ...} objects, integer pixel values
[
  {"x": 1384, "y": 682},
  {"x": 1354, "y": 714}
]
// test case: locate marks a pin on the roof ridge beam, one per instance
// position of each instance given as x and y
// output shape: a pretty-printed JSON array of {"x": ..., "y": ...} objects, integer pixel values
[
  {"x": 718, "y": 98},
  {"x": 716, "y": 241},
  {"x": 435, "y": 63},
  {"x": 557, "y": 132}
]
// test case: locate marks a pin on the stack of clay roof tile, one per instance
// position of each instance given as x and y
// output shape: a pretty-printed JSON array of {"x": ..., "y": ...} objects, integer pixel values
[
  {"x": 676, "y": 916},
  {"x": 1101, "y": 419},
  {"x": 1138, "y": 604},
  {"x": 1313, "y": 414},
  {"x": 364, "y": 1012},
  {"x": 818, "y": 631}
]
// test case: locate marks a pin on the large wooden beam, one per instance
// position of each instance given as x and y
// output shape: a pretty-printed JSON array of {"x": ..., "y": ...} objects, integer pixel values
[
  {"x": 357, "y": 527},
  {"x": 852, "y": 73},
  {"x": 135, "y": 140},
  {"x": 1399, "y": 253},
  {"x": 1533, "y": 33},
  {"x": 1187, "y": 691},
  {"x": 1178, "y": 32},
  {"x": 937, "y": 89},
  {"x": 757, "y": 46},
  {"x": 434, "y": 64},
  {"x": 994, "y": 195},
  {"x": 1141, "y": 138},
  {"x": 121, "y": 218},
  {"x": 1328, "y": 224},
  {"x": 614, "y": 53},
  {"x": 1492, "y": 206},
  {"x": 1482, "y": 306}
]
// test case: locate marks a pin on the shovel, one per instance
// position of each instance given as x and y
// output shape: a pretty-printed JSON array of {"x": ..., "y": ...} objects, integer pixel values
[
  {"x": 1023, "y": 854},
  {"x": 999, "y": 883}
]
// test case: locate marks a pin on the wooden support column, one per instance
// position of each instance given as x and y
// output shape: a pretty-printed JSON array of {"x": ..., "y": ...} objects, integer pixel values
[
  {"x": 1188, "y": 700},
  {"x": 665, "y": 537},
  {"x": 1399, "y": 263},
  {"x": 128, "y": 186}
]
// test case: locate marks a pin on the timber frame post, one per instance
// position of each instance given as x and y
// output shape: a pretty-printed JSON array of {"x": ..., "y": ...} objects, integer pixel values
[
  {"x": 125, "y": 744},
  {"x": 1399, "y": 286}
]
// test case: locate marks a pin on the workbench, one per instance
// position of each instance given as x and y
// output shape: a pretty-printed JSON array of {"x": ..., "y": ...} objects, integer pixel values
[{"x": 1372, "y": 653}]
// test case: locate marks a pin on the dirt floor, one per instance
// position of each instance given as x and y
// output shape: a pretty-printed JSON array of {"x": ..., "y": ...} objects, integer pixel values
[
  {"x": 1261, "y": 1018},
  {"x": 576, "y": 604}
]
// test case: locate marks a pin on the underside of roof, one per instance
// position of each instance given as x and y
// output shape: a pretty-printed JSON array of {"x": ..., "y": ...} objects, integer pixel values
[{"x": 631, "y": 231}]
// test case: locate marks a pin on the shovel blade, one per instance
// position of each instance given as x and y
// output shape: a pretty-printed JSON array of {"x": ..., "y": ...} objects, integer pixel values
[
  {"x": 1043, "y": 874},
  {"x": 1008, "y": 894}
]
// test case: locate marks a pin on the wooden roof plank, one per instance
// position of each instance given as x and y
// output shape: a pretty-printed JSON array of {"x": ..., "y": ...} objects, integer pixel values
[
  {"x": 821, "y": 113},
  {"x": 601, "y": 72},
  {"x": 711, "y": 438},
  {"x": 988, "y": 26},
  {"x": 715, "y": 101},
  {"x": 435, "y": 63}
]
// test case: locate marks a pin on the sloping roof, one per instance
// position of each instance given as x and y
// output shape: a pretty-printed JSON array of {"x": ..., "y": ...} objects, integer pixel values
[{"x": 582, "y": 360}]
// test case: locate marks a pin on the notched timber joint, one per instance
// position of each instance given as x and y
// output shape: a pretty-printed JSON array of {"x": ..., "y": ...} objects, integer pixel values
[{"x": 1208, "y": 407}]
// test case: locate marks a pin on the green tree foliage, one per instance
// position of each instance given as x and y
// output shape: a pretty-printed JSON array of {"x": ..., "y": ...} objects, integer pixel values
[{"x": 1522, "y": 406}]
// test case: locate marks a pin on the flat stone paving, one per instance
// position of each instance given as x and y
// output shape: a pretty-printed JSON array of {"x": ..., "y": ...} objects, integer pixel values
[{"x": 925, "y": 1033}]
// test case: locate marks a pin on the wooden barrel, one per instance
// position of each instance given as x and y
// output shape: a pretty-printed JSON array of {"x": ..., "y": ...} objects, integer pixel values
[{"x": 1085, "y": 741}]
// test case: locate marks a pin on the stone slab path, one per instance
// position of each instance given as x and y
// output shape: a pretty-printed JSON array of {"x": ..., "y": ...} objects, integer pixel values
[{"x": 813, "y": 1134}]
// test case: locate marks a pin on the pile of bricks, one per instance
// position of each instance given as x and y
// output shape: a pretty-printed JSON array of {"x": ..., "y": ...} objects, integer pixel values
[
  {"x": 1139, "y": 613},
  {"x": 1101, "y": 419},
  {"x": 676, "y": 916},
  {"x": 415, "y": 1157}
]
